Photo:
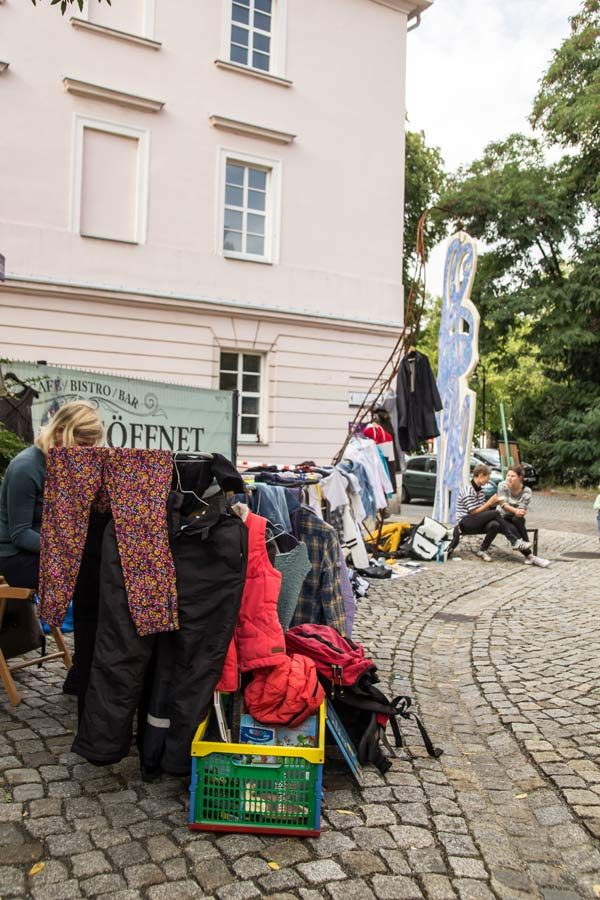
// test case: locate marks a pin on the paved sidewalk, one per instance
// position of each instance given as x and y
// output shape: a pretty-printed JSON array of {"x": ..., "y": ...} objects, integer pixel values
[{"x": 503, "y": 659}]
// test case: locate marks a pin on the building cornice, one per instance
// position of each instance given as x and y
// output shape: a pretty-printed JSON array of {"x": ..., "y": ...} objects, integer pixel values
[
  {"x": 249, "y": 130},
  {"x": 408, "y": 7},
  {"x": 102, "y": 294},
  {"x": 109, "y": 95},
  {"x": 114, "y": 33}
]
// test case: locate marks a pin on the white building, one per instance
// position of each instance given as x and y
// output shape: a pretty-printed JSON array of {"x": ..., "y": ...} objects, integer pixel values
[{"x": 209, "y": 192}]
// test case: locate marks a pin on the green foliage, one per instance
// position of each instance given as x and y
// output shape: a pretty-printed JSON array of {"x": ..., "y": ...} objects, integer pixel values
[
  {"x": 425, "y": 180},
  {"x": 65, "y": 4},
  {"x": 10, "y": 445},
  {"x": 538, "y": 281},
  {"x": 567, "y": 107}
]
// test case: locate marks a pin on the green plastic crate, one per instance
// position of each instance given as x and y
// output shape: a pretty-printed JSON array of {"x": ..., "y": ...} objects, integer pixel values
[{"x": 232, "y": 788}]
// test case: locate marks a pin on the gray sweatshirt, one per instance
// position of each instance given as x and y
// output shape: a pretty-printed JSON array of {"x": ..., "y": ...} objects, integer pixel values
[{"x": 21, "y": 502}]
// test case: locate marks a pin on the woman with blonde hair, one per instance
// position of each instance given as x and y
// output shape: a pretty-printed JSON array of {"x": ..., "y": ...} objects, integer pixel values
[{"x": 75, "y": 424}]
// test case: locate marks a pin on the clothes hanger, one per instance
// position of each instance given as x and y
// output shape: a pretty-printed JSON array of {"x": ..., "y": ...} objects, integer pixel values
[
  {"x": 280, "y": 533},
  {"x": 17, "y": 380},
  {"x": 179, "y": 487}
]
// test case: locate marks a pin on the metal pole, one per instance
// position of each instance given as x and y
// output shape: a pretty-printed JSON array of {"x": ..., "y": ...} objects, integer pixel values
[
  {"x": 505, "y": 433},
  {"x": 483, "y": 437}
]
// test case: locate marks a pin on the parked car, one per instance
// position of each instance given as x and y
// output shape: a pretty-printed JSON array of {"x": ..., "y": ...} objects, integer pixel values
[
  {"x": 418, "y": 482},
  {"x": 491, "y": 458}
]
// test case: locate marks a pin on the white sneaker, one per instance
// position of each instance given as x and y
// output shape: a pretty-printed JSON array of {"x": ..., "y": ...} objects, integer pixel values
[
  {"x": 539, "y": 561},
  {"x": 521, "y": 545},
  {"x": 528, "y": 561},
  {"x": 484, "y": 555}
]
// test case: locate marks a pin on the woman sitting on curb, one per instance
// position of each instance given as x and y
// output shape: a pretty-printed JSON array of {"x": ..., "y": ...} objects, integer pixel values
[
  {"x": 476, "y": 515},
  {"x": 513, "y": 503}
]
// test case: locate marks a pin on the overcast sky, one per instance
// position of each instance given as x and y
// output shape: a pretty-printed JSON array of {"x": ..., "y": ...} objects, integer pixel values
[{"x": 473, "y": 71}]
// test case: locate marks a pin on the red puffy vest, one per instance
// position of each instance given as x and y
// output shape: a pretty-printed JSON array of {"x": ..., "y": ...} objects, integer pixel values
[{"x": 258, "y": 641}]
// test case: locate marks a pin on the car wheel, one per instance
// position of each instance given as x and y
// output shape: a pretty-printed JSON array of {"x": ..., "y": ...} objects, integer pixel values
[{"x": 405, "y": 495}]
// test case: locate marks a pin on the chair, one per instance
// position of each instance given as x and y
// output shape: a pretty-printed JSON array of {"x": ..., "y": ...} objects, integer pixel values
[{"x": 9, "y": 593}]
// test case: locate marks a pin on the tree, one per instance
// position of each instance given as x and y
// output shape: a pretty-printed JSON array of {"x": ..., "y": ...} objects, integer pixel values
[
  {"x": 567, "y": 107},
  {"x": 65, "y": 4},
  {"x": 538, "y": 286},
  {"x": 425, "y": 179}
]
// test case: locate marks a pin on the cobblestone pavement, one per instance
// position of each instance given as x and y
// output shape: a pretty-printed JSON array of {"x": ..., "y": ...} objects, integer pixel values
[{"x": 503, "y": 659}]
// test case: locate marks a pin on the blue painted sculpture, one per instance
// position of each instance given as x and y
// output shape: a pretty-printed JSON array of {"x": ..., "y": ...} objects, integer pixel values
[{"x": 458, "y": 355}]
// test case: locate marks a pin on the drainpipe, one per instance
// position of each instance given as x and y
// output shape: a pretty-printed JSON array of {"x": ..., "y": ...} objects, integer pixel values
[{"x": 416, "y": 23}]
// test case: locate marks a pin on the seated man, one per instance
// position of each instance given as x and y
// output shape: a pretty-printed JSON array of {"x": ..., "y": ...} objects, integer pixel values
[
  {"x": 476, "y": 515},
  {"x": 513, "y": 502}
]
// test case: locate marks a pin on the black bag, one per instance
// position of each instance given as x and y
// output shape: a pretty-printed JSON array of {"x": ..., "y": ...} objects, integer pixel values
[
  {"x": 349, "y": 677},
  {"x": 21, "y": 630}
]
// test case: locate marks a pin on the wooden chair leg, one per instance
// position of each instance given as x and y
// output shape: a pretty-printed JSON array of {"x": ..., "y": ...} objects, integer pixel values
[
  {"x": 7, "y": 680},
  {"x": 60, "y": 643}
]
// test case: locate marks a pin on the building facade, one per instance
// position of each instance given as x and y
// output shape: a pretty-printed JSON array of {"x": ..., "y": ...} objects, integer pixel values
[{"x": 209, "y": 193}]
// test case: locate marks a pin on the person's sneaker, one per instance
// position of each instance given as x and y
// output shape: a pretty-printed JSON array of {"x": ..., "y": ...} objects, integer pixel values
[
  {"x": 484, "y": 555},
  {"x": 528, "y": 561},
  {"x": 521, "y": 545},
  {"x": 539, "y": 561}
]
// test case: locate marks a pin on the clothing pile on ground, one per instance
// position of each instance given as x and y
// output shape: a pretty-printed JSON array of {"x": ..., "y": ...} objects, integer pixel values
[{"x": 184, "y": 576}]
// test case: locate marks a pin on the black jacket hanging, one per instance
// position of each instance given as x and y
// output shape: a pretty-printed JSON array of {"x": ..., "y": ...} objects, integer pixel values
[
  {"x": 417, "y": 399},
  {"x": 15, "y": 413}
]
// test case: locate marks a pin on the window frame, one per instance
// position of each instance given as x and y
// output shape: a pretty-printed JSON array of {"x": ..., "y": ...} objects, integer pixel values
[
  {"x": 240, "y": 352},
  {"x": 272, "y": 205},
  {"x": 148, "y": 19},
  {"x": 277, "y": 55},
  {"x": 142, "y": 135}
]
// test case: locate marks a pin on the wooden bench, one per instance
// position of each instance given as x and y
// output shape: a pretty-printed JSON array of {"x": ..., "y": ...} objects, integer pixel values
[{"x": 10, "y": 593}]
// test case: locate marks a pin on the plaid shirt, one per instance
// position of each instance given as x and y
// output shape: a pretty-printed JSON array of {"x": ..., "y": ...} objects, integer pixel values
[{"x": 321, "y": 599}]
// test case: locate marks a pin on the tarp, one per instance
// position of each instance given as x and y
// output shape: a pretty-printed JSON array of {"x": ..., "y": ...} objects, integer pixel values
[{"x": 137, "y": 413}]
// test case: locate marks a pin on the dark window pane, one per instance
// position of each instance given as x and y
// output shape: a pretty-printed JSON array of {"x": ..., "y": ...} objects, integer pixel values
[
  {"x": 234, "y": 174},
  {"x": 249, "y": 425},
  {"x": 234, "y": 196},
  {"x": 255, "y": 245},
  {"x": 250, "y": 363},
  {"x": 233, "y": 220},
  {"x": 262, "y": 42},
  {"x": 229, "y": 361},
  {"x": 257, "y": 178},
  {"x": 260, "y": 61},
  {"x": 240, "y": 14},
  {"x": 232, "y": 240},
  {"x": 251, "y": 383},
  {"x": 228, "y": 381},
  {"x": 256, "y": 224},
  {"x": 256, "y": 199},
  {"x": 417, "y": 465},
  {"x": 250, "y": 405},
  {"x": 240, "y": 36},
  {"x": 262, "y": 22},
  {"x": 263, "y": 5},
  {"x": 239, "y": 55}
]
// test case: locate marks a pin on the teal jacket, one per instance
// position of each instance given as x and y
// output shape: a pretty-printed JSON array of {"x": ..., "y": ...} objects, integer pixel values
[{"x": 21, "y": 502}]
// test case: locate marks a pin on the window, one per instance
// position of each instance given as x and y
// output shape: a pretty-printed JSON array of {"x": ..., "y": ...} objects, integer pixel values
[
  {"x": 417, "y": 464},
  {"x": 243, "y": 372},
  {"x": 251, "y": 33},
  {"x": 110, "y": 181},
  {"x": 245, "y": 219}
]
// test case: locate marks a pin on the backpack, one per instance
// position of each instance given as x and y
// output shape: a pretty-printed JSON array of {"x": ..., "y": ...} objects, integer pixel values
[{"x": 349, "y": 677}]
